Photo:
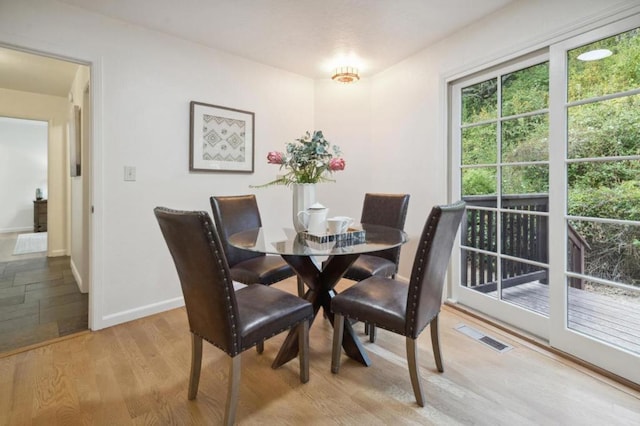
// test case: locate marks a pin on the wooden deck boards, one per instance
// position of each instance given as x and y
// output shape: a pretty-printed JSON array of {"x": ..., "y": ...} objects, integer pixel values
[{"x": 607, "y": 318}]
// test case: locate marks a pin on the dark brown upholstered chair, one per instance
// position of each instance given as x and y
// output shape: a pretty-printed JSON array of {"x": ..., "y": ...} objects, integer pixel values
[
  {"x": 405, "y": 309},
  {"x": 238, "y": 213},
  {"x": 231, "y": 320},
  {"x": 386, "y": 210}
]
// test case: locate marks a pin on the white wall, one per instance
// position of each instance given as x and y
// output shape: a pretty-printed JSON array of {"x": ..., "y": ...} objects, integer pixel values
[
  {"x": 143, "y": 82},
  {"x": 52, "y": 109},
  {"x": 343, "y": 113},
  {"x": 23, "y": 168}
]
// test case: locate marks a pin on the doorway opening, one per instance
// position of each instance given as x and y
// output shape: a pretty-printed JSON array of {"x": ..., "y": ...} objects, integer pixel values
[{"x": 44, "y": 238}]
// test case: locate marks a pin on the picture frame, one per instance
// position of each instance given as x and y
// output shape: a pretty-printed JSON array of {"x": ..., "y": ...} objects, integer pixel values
[
  {"x": 221, "y": 139},
  {"x": 75, "y": 142}
]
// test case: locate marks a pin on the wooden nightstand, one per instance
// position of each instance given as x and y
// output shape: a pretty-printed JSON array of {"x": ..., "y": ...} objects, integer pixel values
[{"x": 40, "y": 216}]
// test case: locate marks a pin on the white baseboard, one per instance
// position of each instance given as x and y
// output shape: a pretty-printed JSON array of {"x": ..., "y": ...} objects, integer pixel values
[
  {"x": 10, "y": 230},
  {"x": 141, "y": 312},
  {"x": 56, "y": 253},
  {"x": 81, "y": 285}
]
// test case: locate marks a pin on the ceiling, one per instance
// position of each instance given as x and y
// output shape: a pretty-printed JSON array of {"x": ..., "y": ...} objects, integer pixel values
[
  {"x": 38, "y": 74},
  {"x": 307, "y": 37}
]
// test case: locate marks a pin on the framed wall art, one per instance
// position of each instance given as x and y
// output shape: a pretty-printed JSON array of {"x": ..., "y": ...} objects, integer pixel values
[
  {"x": 220, "y": 139},
  {"x": 75, "y": 142}
]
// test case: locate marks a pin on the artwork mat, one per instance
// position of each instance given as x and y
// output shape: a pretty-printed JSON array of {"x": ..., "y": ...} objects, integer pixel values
[{"x": 198, "y": 110}]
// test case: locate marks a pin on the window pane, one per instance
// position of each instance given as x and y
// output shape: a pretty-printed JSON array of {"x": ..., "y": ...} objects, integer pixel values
[
  {"x": 526, "y": 286},
  {"x": 480, "y": 102},
  {"x": 604, "y": 312},
  {"x": 479, "y": 272},
  {"x": 480, "y": 231},
  {"x": 479, "y": 144},
  {"x": 525, "y": 90},
  {"x": 605, "y": 129},
  {"x": 604, "y": 250},
  {"x": 525, "y": 236},
  {"x": 616, "y": 73},
  {"x": 525, "y": 179},
  {"x": 526, "y": 202},
  {"x": 480, "y": 200},
  {"x": 606, "y": 189},
  {"x": 479, "y": 181},
  {"x": 525, "y": 139}
]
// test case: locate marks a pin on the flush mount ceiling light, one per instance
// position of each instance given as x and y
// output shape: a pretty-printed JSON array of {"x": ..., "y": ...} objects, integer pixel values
[
  {"x": 346, "y": 75},
  {"x": 594, "y": 55}
]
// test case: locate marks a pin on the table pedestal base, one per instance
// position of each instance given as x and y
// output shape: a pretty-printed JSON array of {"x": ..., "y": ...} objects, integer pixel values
[{"x": 320, "y": 293}]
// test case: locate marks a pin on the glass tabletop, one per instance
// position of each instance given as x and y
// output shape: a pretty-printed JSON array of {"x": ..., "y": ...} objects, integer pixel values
[{"x": 286, "y": 241}]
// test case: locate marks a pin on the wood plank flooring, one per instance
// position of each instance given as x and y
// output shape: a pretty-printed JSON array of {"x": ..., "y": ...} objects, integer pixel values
[
  {"x": 39, "y": 301},
  {"x": 137, "y": 373}
]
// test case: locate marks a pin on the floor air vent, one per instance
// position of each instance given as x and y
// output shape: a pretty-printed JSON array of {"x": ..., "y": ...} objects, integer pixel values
[{"x": 494, "y": 344}]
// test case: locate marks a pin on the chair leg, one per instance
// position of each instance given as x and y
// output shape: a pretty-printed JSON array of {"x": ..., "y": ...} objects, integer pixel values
[
  {"x": 303, "y": 350},
  {"x": 196, "y": 364},
  {"x": 366, "y": 328},
  {"x": 300, "y": 287},
  {"x": 232, "y": 393},
  {"x": 260, "y": 347},
  {"x": 372, "y": 333},
  {"x": 338, "y": 328},
  {"x": 414, "y": 373},
  {"x": 435, "y": 342}
]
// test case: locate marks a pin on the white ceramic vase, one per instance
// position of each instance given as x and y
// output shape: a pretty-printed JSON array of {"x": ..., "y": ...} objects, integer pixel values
[{"x": 304, "y": 195}]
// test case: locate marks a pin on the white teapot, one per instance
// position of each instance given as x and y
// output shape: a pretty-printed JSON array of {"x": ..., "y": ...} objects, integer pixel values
[{"x": 314, "y": 219}]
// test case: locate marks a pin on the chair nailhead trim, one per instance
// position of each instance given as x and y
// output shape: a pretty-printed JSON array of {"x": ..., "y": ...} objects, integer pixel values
[
  {"x": 414, "y": 291},
  {"x": 252, "y": 344},
  {"x": 230, "y": 314},
  {"x": 400, "y": 332}
]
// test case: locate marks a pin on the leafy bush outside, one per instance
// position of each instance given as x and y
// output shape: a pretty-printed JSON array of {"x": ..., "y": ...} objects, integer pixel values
[{"x": 610, "y": 128}]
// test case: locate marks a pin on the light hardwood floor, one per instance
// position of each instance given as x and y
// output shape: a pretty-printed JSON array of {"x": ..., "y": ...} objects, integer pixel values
[{"x": 136, "y": 373}]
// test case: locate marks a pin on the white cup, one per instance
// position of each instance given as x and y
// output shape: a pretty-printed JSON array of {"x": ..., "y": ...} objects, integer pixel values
[{"x": 339, "y": 224}]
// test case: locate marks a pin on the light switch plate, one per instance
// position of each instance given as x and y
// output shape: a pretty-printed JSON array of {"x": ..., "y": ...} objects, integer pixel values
[{"x": 129, "y": 173}]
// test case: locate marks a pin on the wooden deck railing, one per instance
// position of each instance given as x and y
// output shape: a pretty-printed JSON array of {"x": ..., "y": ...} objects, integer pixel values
[
  {"x": 577, "y": 247},
  {"x": 523, "y": 235}
]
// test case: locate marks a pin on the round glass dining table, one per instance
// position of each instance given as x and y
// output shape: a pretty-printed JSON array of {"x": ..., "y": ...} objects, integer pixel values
[{"x": 305, "y": 254}]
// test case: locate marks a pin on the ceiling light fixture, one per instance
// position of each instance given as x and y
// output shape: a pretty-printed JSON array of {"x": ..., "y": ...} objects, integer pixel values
[
  {"x": 346, "y": 75},
  {"x": 594, "y": 55}
]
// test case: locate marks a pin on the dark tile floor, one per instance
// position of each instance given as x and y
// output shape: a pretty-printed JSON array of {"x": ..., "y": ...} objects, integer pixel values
[{"x": 39, "y": 301}]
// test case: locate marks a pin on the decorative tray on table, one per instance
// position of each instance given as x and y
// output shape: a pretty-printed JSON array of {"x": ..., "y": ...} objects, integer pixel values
[{"x": 352, "y": 236}]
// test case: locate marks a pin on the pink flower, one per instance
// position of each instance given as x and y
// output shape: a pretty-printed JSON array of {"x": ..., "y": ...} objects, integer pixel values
[
  {"x": 336, "y": 164},
  {"x": 275, "y": 157}
]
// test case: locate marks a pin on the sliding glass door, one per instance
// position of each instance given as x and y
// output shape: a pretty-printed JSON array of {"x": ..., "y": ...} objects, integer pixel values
[
  {"x": 597, "y": 166},
  {"x": 546, "y": 152},
  {"x": 501, "y": 130}
]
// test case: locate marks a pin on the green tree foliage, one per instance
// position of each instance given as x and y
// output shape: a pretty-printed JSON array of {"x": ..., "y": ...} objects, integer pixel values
[
  {"x": 607, "y": 189},
  {"x": 610, "y": 128},
  {"x": 525, "y": 90},
  {"x": 480, "y": 102}
]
